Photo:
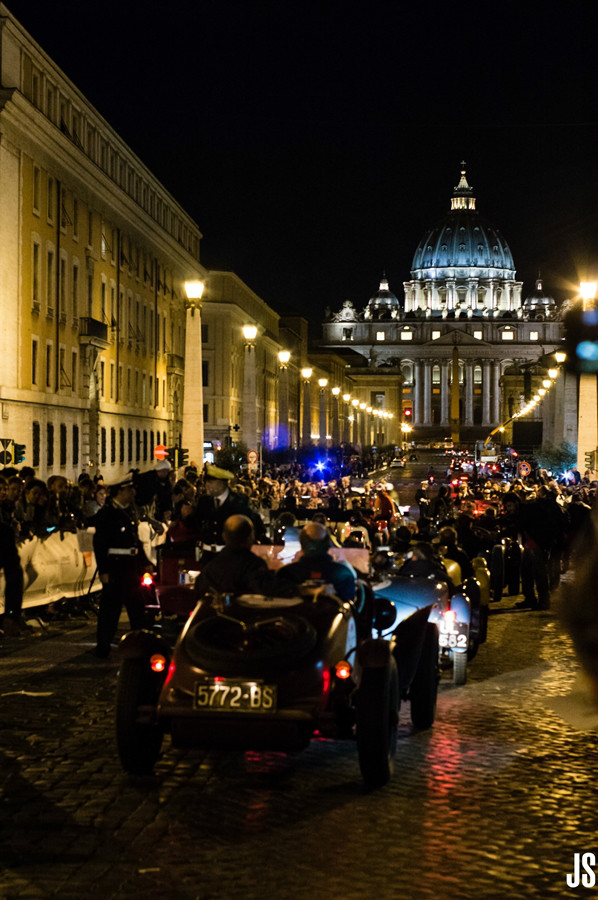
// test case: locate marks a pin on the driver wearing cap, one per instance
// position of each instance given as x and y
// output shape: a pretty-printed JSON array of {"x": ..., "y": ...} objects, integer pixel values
[{"x": 215, "y": 506}]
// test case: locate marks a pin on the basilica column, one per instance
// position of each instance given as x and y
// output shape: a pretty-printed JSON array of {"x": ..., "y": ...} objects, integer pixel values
[
  {"x": 495, "y": 394},
  {"x": 427, "y": 392},
  {"x": 486, "y": 392},
  {"x": 418, "y": 393},
  {"x": 468, "y": 373},
  {"x": 444, "y": 393}
]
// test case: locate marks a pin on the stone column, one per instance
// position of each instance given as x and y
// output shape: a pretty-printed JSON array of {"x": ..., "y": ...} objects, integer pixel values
[
  {"x": 495, "y": 394},
  {"x": 249, "y": 407},
  {"x": 468, "y": 373},
  {"x": 427, "y": 392},
  {"x": 486, "y": 392},
  {"x": 444, "y": 394},
  {"x": 418, "y": 390}
]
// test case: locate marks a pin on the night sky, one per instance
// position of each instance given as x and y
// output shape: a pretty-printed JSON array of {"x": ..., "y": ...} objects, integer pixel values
[{"x": 315, "y": 142}]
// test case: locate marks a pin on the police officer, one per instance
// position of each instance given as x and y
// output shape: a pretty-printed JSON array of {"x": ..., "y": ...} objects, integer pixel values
[
  {"x": 215, "y": 506},
  {"x": 121, "y": 563}
]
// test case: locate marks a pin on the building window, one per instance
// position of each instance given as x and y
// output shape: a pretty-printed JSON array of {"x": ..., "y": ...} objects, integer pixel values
[
  {"x": 533, "y": 336},
  {"x": 477, "y": 374},
  {"x": 204, "y": 334},
  {"x": 435, "y": 335},
  {"x": 121, "y": 445},
  {"x": 102, "y": 377},
  {"x": 74, "y": 371},
  {"x": 112, "y": 381},
  {"x": 205, "y": 373},
  {"x": 347, "y": 334},
  {"x": 63, "y": 445},
  {"x": 478, "y": 335},
  {"x": 406, "y": 335},
  {"x": 435, "y": 374},
  {"x": 75, "y": 445},
  {"x": 34, "y": 346},
  {"x": 36, "y": 189},
  {"x": 50, "y": 281},
  {"x": 48, "y": 365},
  {"x": 35, "y": 275},
  {"x": 380, "y": 336},
  {"x": 507, "y": 335},
  {"x": 90, "y": 295},
  {"x": 113, "y": 445},
  {"x": 144, "y": 446},
  {"x": 205, "y": 412},
  {"x": 50, "y": 444},
  {"x": 35, "y": 437},
  {"x": 137, "y": 445},
  {"x": 75, "y": 292},
  {"x": 103, "y": 446},
  {"x": 75, "y": 219},
  {"x": 130, "y": 444},
  {"x": 51, "y": 186},
  {"x": 63, "y": 287}
]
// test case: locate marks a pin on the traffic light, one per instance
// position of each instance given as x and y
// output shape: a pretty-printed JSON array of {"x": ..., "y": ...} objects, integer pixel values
[
  {"x": 589, "y": 459},
  {"x": 19, "y": 454},
  {"x": 183, "y": 456},
  {"x": 407, "y": 413},
  {"x": 172, "y": 456}
]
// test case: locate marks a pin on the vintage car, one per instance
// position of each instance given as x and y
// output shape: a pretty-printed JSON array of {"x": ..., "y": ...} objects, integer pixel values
[
  {"x": 461, "y": 619},
  {"x": 262, "y": 673}
]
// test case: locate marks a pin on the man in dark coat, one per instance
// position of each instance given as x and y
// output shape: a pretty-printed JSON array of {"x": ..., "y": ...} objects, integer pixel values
[
  {"x": 316, "y": 564},
  {"x": 121, "y": 563},
  {"x": 214, "y": 508},
  {"x": 13, "y": 578},
  {"x": 235, "y": 569}
]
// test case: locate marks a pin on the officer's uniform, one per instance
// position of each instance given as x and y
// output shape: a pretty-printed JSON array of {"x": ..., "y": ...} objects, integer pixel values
[
  {"x": 210, "y": 514},
  {"x": 119, "y": 556}
]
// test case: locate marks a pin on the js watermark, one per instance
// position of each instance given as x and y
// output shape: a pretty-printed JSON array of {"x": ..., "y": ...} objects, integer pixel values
[{"x": 583, "y": 874}]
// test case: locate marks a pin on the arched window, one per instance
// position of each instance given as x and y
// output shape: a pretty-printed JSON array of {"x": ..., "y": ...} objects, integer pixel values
[
  {"x": 477, "y": 374},
  {"x": 436, "y": 374}
]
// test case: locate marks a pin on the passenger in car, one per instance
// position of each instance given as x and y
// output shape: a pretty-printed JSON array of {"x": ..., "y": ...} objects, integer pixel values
[{"x": 316, "y": 564}]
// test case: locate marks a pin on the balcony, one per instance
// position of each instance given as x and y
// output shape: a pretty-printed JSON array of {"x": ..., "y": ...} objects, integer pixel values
[
  {"x": 94, "y": 332},
  {"x": 175, "y": 365}
]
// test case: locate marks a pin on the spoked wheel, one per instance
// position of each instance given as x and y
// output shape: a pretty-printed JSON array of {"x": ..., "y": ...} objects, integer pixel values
[
  {"x": 459, "y": 667},
  {"x": 424, "y": 687},
  {"x": 139, "y": 739},
  {"x": 377, "y": 722}
]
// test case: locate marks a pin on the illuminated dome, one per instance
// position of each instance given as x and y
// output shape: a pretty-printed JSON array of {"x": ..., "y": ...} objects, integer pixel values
[
  {"x": 383, "y": 303},
  {"x": 463, "y": 264},
  {"x": 538, "y": 301}
]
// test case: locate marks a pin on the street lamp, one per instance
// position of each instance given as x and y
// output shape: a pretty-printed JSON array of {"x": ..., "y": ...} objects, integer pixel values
[
  {"x": 283, "y": 409},
  {"x": 249, "y": 409},
  {"x": 587, "y": 398},
  {"x": 193, "y": 416},
  {"x": 336, "y": 434},
  {"x": 306, "y": 374},
  {"x": 323, "y": 382}
]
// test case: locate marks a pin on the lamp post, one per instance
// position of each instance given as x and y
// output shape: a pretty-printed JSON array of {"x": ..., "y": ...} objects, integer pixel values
[
  {"x": 355, "y": 436},
  {"x": 283, "y": 406},
  {"x": 249, "y": 410},
  {"x": 306, "y": 374},
  {"x": 346, "y": 419},
  {"x": 193, "y": 427},
  {"x": 336, "y": 434},
  {"x": 587, "y": 399},
  {"x": 323, "y": 383}
]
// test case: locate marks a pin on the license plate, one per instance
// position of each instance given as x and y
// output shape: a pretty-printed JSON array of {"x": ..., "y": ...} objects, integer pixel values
[
  {"x": 226, "y": 695},
  {"x": 453, "y": 635}
]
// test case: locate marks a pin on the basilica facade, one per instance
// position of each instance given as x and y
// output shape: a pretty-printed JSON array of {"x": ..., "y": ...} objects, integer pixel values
[{"x": 461, "y": 348}]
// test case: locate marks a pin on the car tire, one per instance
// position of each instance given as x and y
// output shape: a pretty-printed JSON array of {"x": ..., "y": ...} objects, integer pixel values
[
  {"x": 424, "y": 687},
  {"x": 224, "y": 645},
  {"x": 139, "y": 744},
  {"x": 377, "y": 722},
  {"x": 459, "y": 667}
]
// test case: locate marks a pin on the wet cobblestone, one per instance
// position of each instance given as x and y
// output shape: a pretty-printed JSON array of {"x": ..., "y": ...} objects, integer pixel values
[{"x": 491, "y": 803}]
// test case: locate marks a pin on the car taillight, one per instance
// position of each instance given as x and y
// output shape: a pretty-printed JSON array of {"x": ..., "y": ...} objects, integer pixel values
[
  {"x": 171, "y": 669},
  {"x": 343, "y": 670},
  {"x": 157, "y": 662},
  {"x": 325, "y": 680},
  {"x": 450, "y": 615},
  {"x": 147, "y": 579}
]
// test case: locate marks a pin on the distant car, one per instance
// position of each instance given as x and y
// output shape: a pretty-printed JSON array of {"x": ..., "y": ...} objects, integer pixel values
[
  {"x": 260, "y": 673},
  {"x": 398, "y": 462}
]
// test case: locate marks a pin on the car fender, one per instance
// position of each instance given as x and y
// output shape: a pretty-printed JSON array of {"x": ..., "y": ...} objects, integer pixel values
[
  {"x": 461, "y": 606},
  {"x": 142, "y": 643},
  {"x": 374, "y": 653}
]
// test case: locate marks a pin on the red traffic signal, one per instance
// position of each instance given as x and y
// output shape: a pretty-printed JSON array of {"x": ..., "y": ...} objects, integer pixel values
[{"x": 407, "y": 412}]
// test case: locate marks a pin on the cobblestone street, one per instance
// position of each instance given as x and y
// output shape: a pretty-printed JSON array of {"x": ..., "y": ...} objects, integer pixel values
[{"x": 491, "y": 803}]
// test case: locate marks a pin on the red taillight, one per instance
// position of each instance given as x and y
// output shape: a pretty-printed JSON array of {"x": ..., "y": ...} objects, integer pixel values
[
  {"x": 147, "y": 580},
  {"x": 157, "y": 662},
  {"x": 325, "y": 681},
  {"x": 450, "y": 615},
  {"x": 171, "y": 669},
  {"x": 343, "y": 670}
]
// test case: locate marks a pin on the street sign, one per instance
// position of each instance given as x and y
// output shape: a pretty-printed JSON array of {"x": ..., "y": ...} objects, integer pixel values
[
  {"x": 524, "y": 468},
  {"x": 252, "y": 457},
  {"x": 5, "y": 457},
  {"x": 160, "y": 452},
  {"x": 5, "y": 442}
]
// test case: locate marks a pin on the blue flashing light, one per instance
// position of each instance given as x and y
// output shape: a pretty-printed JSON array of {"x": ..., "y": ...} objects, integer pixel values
[
  {"x": 588, "y": 350},
  {"x": 320, "y": 466}
]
